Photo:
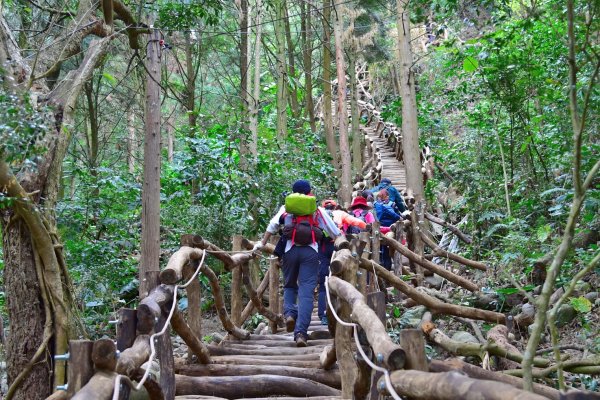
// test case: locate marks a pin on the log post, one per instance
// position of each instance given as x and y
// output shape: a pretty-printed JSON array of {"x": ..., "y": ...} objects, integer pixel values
[
  {"x": 375, "y": 247},
  {"x": 126, "y": 328},
  {"x": 414, "y": 345},
  {"x": 194, "y": 310},
  {"x": 376, "y": 300},
  {"x": 364, "y": 253},
  {"x": 167, "y": 363},
  {"x": 81, "y": 367},
  {"x": 274, "y": 266},
  {"x": 236, "y": 286},
  {"x": 347, "y": 266}
]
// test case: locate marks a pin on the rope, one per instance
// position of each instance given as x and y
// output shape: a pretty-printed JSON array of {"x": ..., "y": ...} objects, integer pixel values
[
  {"x": 153, "y": 337},
  {"x": 388, "y": 382}
]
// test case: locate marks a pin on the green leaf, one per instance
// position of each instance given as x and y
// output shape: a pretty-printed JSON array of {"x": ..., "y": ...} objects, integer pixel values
[
  {"x": 543, "y": 232},
  {"x": 508, "y": 290},
  {"x": 111, "y": 79},
  {"x": 470, "y": 64},
  {"x": 581, "y": 304},
  {"x": 396, "y": 312}
]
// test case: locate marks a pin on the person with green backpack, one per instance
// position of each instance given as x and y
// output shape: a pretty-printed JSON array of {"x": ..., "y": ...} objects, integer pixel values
[{"x": 303, "y": 226}]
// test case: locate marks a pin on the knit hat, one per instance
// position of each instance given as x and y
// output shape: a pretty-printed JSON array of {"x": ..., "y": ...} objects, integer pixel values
[
  {"x": 301, "y": 186},
  {"x": 359, "y": 202},
  {"x": 386, "y": 181}
]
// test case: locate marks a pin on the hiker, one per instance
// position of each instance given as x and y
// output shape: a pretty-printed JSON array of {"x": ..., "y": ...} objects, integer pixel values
[
  {"x": 344, "y": 221},
  {"x": 393, "y": 193},
  {"x": 360, "y": 209},
  {"x": 387, "y": 215},
  {"x": 303, "y": 228}
]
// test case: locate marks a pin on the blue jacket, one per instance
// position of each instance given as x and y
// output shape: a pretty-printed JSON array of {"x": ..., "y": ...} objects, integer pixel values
[
  {"x": 395, "y": 196},
  {"x": 385, "y": 213}
]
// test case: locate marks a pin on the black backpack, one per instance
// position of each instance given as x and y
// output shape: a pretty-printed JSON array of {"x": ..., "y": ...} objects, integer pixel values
[{"x": 301, "y": 230}]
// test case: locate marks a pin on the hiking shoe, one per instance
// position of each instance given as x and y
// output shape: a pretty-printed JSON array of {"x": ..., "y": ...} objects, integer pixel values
[
  {"x": 324, "y": 320},
  {"x": 290, "y": 323},
  {"x": 301, "y": 340}
]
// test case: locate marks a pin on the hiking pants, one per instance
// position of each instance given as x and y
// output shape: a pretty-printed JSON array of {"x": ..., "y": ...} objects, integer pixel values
[
  {"x": 300, "y": 275},
  {"x": 326, "y": 249}
]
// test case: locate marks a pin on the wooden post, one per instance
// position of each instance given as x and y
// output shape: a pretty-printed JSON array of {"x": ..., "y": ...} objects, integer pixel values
[
  {"x": 149, "y": 260},
  {"x": 80, "y": 367},
  {"x": 126, "y": 328},
  {"x": 398, "y": 235},
  {"x": 362, "y": 277},
  {"x": 344, "y": 338},
  {"x": 126, "y": 334},
  {"x": 375, "y": 247},
  {"x": 376, "y": 300},
  {"x": 167, "y": 363},
  {"x": 413, "y": 343},
  {"x": 194, "y": 296},
  {"x": 274, "y": 287},
  {"x": 236, "y": 286}
]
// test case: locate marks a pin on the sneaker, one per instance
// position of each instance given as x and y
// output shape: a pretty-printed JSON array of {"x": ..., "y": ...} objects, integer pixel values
[
  {"x": 324, "y": 320},
  {"x": 301, "y": 340},
  {"x": 290, "y": 323}
]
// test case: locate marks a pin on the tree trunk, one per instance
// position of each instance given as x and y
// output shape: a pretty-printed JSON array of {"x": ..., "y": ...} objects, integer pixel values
[
  {"x": 131, "y": 141},
  {"x": 410, "y": 133},
  {"x": 305, "y": 27},
  {"x": 255, "y": 101},
  {"x": 281, "y": 70},
  {"x": 293, "y": 91},
  {"x": 345, "y": 191},
  {"x": 355, "y": 135},
  {"x": 244, "y": 82},
  {"x": 149, "y": 260},
  {"x": 190, "y": 98},
  {"x": 327, "y": 96},
  {"x": 24, "y": 301}
]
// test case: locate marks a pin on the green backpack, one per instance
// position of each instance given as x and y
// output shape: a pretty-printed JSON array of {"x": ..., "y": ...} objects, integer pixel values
[{"x": 300, "y": 204}]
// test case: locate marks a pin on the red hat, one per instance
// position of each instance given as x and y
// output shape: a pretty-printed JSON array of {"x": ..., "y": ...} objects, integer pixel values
[
  {"x": 361, "y": 202},
  {"x": 329, "y": 202}
]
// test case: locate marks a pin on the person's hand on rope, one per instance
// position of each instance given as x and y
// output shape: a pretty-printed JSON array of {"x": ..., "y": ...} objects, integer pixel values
[
  {"x": 258, "y": 246},
  {"x": 406, "y": 214}
]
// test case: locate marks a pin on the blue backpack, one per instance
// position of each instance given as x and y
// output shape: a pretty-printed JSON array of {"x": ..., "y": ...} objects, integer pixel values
[{"x": 385, "y": 214}]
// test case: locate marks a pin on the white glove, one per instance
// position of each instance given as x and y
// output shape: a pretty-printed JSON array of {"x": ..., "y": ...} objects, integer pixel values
[
  {"x": 405, "y": 214},
  {"x": 258, "y": 246}
]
